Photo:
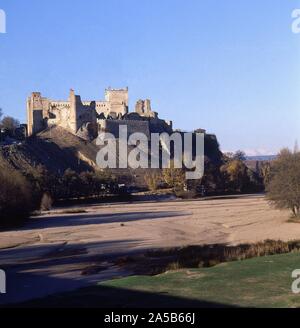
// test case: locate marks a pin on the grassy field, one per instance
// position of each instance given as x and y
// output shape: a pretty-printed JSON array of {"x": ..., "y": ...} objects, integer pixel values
[{"x": 259, "y": 282}]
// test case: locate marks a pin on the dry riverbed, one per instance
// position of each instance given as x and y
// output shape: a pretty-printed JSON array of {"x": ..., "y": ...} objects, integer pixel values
[{"x": 58, "y": 251}]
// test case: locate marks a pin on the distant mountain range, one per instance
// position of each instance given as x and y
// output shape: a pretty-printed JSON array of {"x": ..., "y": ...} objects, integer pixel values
[{"x": 261, "y": 158}]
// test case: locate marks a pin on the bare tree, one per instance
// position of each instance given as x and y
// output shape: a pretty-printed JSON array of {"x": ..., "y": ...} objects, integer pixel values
[
  {"x": 239, "y": 155},
  {"x": 10, "y": 124}
]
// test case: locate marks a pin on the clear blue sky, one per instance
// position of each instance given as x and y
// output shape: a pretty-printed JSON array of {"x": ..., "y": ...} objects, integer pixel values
[{"x": 229, "y": 66}]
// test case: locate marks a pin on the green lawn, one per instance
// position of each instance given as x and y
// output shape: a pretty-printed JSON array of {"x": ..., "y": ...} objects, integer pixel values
[{"x": 259, "y": 282}]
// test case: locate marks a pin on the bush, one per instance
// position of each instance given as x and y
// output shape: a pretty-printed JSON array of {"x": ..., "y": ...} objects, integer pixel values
[
  {"x": 15, "y": 197},
  {"x": 210, "y": 255},
  {"x": 71, "y": 185},
  {"x": 174, "y": 177},
  {"x": 152, "y": 179}
]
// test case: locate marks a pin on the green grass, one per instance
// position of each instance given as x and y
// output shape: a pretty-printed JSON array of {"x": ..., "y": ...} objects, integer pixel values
[{"x": 258, "y": 282}]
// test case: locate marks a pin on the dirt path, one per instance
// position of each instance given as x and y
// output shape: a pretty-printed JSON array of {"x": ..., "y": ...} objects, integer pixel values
[{"x": 65, "y": 251}]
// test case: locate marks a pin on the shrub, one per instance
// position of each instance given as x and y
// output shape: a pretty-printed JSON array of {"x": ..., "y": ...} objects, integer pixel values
[
  {"x": 174, "y": 177},
  {"x": 152, "y": 179},
  {"x": 15, "y": 197},
  {"x": 211, "y": 255}
]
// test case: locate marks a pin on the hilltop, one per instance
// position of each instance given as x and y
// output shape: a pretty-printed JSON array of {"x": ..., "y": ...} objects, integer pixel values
[{"x": 55, "y": 148}]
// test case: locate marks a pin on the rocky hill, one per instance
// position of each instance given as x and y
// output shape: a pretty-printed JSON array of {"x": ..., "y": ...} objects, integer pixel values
[
  {"x": 54, "y": 148},
  {"x": 58, "y": 150}
]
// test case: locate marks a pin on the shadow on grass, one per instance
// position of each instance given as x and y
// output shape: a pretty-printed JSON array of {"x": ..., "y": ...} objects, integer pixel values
[
  {"x": 34, "y": 283},
  {"x": 111, "y": 297},
  {"x": 32, "y": 280}
]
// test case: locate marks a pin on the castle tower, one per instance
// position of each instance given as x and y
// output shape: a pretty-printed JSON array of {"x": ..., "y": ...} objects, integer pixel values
[
  {"x": 73, "y": 111},
  {"x": 35, "y": 113},
  {"x": 118, "y": 101},
  {"x": 143, "y": 108},
  {"x": 147, "y": 106}
]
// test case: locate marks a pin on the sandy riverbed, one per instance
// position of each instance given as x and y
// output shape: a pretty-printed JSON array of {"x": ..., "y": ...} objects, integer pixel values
[{"x": 50, "y": 252}]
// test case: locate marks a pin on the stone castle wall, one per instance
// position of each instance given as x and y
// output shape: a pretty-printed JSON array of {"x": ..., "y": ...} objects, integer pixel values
[
  {"x": 76, "y": 115},
  {"x": 112, "y": 126}
]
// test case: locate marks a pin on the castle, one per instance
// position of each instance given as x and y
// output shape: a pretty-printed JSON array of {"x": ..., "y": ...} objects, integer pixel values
[{"x": 87, "y": 118}]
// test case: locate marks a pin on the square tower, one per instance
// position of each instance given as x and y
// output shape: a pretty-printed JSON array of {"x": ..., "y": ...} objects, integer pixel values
[{"x": 117, "y": 100}]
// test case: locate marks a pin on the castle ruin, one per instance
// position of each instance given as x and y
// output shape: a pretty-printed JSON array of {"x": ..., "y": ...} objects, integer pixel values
[{"x": 87, "y": 118}]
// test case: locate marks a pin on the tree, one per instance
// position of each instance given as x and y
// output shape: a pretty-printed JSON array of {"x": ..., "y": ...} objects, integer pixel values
[
  {"x": 236, "y": 173},
  {"x": 212, "y": 178},
  {"x": 283, "y": 190},
  {"x": 71, "y": 184},
  {"x": 10, "y": 124},
  {"x": 15, "y": 197},
  {"x": 174, "y": 177},
  {"x": 296, "y": 147},
  {"x": 265, "y": 172},
  {"x": 152, "y": 179},
  {"x": 41, "y": 181},
  {"x": 239, "y": 155}
]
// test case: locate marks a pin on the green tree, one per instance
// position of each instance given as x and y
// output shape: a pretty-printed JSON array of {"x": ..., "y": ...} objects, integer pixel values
[
  {"x": 236, "y": 174},
  {"x": 71, "y": 184},
  {"x": 15, "y": 197},
  {"x": 283, "y": 189}
]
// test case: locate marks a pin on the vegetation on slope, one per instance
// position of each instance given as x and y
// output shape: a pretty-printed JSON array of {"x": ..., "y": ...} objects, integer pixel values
[{"x": 56, "y": 149}]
